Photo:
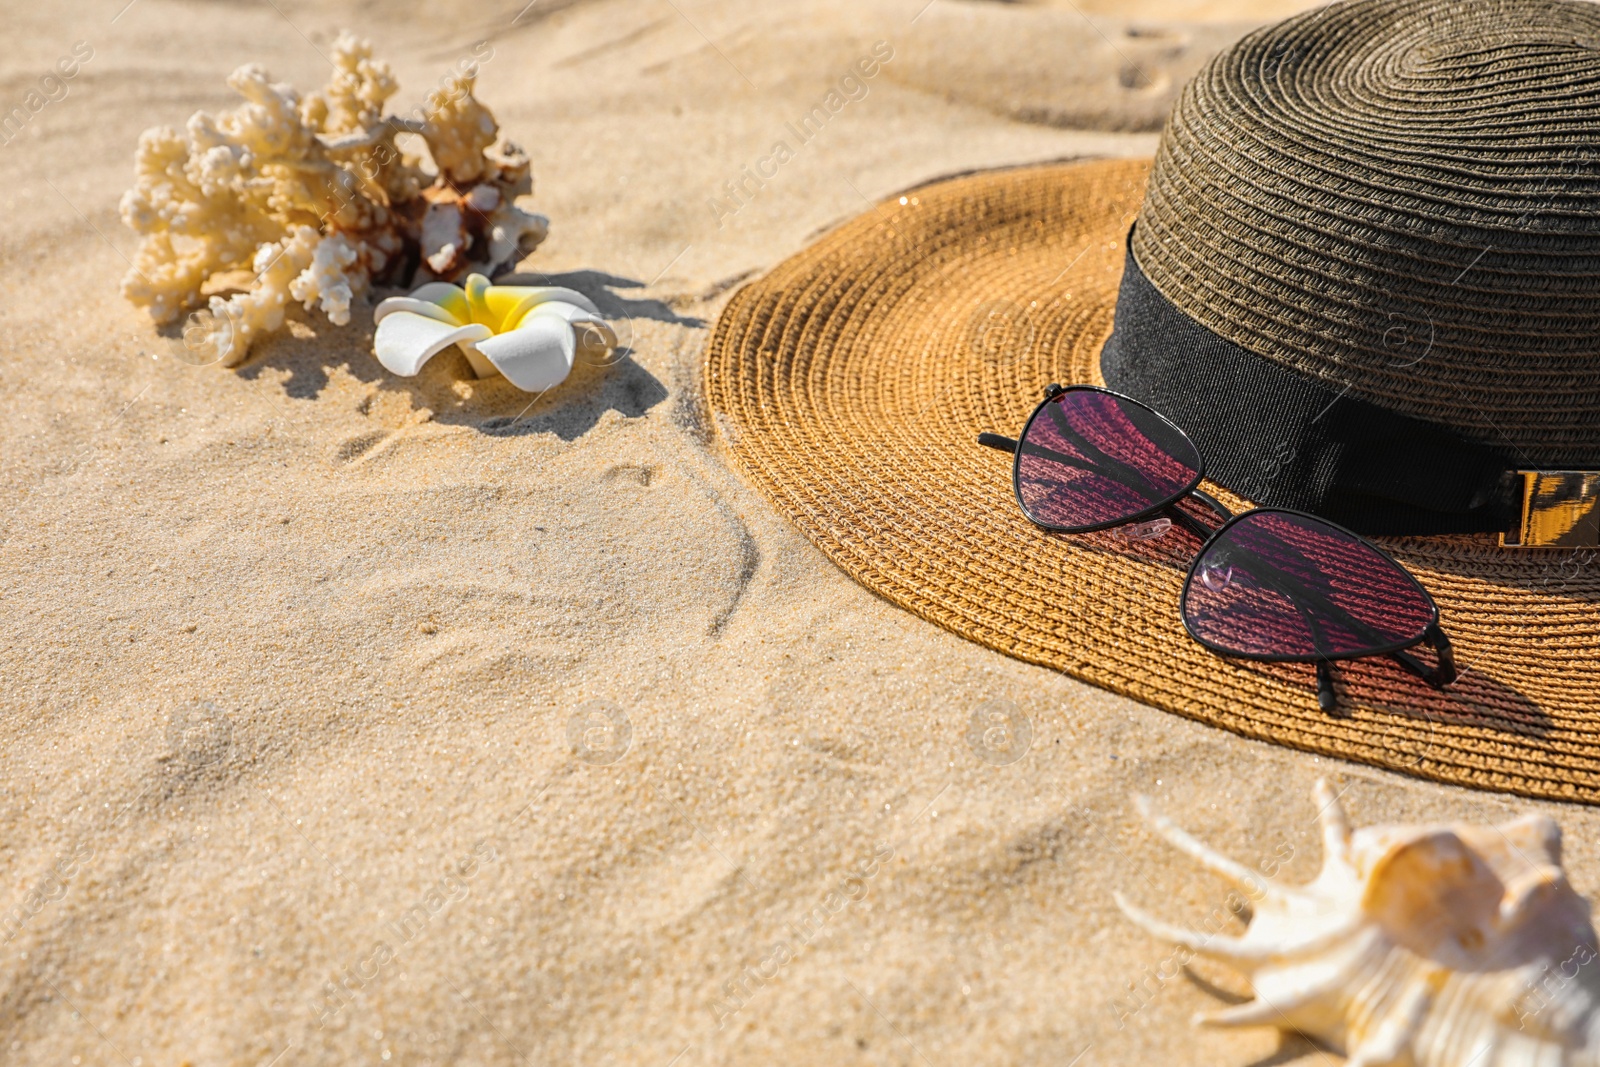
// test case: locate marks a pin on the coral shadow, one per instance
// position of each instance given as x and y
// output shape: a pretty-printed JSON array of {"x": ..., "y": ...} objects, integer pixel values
[{"x": 309, "y": 350}]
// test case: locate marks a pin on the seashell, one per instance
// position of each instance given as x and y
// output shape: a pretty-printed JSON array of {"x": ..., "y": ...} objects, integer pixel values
[
  {"x": 1424, "y": 946},
  {"x": 530, "y": 334}
]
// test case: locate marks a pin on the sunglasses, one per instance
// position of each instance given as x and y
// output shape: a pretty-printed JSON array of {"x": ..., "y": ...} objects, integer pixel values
[{"x": 1270, "y": 584}]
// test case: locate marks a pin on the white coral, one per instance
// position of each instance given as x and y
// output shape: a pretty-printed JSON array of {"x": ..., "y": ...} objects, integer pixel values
[
  {"x": 513, "y": 233},
  {"x": 311, "y": 196},
  {"x": 324, "y": 280},
  {"x": 459, "y": 130},
  {"x": 355, "y": 94}
]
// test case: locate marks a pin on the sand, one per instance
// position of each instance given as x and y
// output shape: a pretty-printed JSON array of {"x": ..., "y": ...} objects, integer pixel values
[{"x": 307, "y": 669}]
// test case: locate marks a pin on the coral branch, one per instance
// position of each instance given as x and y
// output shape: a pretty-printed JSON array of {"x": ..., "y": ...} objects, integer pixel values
[{"x": 312, "y": 198}]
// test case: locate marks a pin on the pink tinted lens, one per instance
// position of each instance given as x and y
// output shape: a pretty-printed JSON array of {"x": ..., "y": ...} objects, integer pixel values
[
  {"x": 1276, "y": 584},
  {"x": 1090, "y": 458}
]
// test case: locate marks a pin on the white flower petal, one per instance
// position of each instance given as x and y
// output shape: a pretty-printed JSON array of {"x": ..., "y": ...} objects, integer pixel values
[
  {"x": 406, "y": 340},
  {"x": 564, "y": 309},
  {"x": 452, "y": 298},
  {"x": 542, "y": 293},
  {"x": 534, "y": 357},
  {"x": 438, "y": 292},
  {"x": 410, "y": 303},
  {"x": 527, "y": 297},
  {"x": 592, "y": 331}
]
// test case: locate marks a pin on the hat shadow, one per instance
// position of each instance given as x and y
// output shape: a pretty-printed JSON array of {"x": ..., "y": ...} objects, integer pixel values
[
  {"x": 310, "y": 350},
  {"x": 1372, "y": 683}
]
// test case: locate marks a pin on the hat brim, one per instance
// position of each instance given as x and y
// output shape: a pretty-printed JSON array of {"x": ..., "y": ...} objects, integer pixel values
[{"x": 850, "y": 384}]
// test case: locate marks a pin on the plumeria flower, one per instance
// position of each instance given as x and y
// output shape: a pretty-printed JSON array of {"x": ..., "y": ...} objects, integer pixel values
[{"x": 529, "y": 333}]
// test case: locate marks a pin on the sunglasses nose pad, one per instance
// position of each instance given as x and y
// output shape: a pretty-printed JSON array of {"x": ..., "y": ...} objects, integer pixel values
[{"x": 1150, "y": 530}]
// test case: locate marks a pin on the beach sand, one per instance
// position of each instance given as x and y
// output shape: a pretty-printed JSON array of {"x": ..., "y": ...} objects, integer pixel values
[{"x": 306, "y": 668}]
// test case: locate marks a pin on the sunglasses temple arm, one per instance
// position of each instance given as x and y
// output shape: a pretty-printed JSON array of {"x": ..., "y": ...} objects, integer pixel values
[
  {"x": 1439, "y": 676},
  {"x": 995, "y": 441},
  {"x": 1327, "y": 699}
]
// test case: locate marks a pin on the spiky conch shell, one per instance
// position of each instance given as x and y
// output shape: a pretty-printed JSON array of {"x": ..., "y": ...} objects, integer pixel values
[{"x": 1449, "y": 945}]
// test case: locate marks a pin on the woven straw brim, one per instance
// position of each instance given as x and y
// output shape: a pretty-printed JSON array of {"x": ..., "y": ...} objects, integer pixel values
[{"x": 850, "y": 384}]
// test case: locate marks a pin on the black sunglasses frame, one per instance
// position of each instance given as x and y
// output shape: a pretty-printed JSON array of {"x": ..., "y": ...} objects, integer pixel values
[
  {"x": 1193, "y": 488},
  {"x": 1433, "y": 635}
]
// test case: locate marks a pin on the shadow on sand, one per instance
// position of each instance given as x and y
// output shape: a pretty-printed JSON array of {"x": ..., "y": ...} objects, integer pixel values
[{"x": 447, "y": 387}]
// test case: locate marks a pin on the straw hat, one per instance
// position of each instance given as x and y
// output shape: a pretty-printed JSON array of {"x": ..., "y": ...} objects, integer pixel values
[{"x": 1365, "y": 278}]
